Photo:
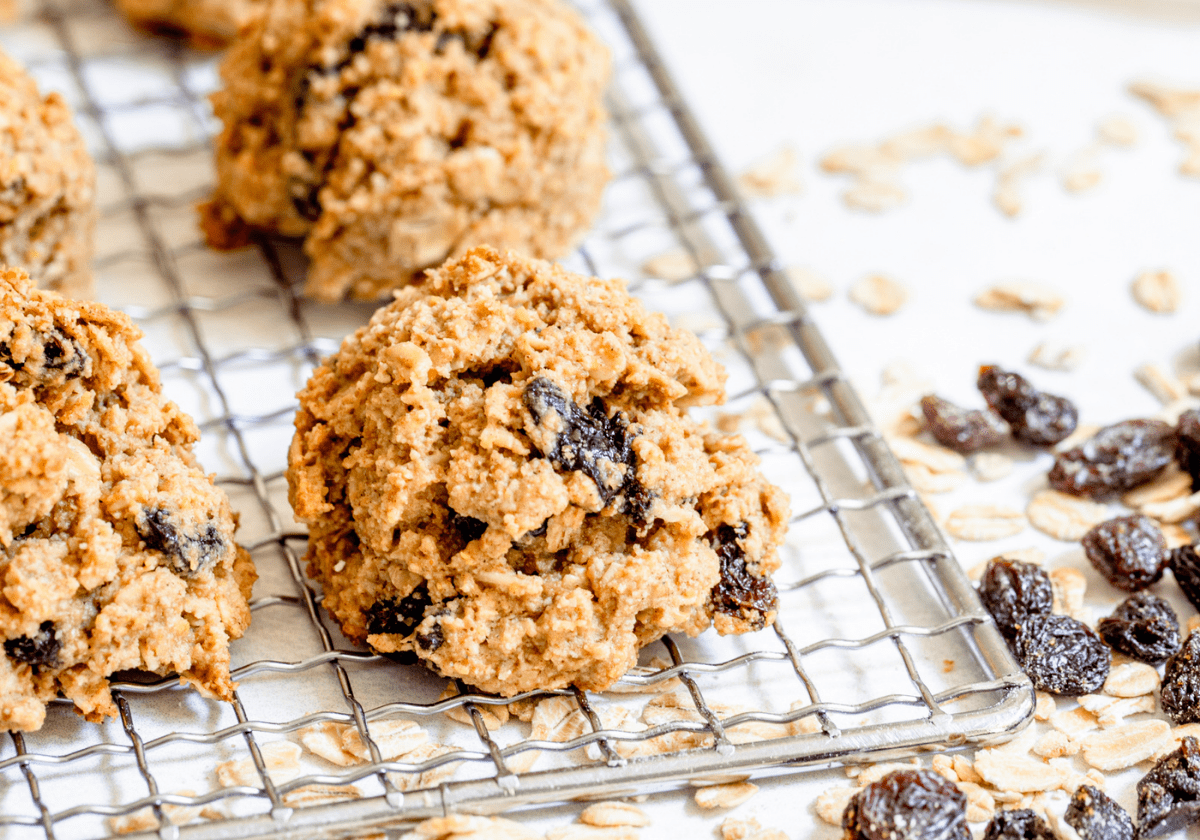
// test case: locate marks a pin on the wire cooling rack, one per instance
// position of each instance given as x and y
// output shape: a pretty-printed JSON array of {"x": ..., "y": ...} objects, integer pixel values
[{"x": 881, "y": 646}]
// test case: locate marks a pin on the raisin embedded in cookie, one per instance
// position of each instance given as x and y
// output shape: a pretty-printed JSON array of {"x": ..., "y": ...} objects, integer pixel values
[
  {"x": 116, "y": 550},
  {"x": 203, "y": 23},
  {"x": 499, "y": 476},
  {"x": 47, "y": 187},
  {"x": 394, "y": 135}
]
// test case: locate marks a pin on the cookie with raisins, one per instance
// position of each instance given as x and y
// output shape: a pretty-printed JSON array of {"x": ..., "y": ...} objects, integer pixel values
[
  {"x": 500, "y": 477},
  {"x": 116, "y": 549}
]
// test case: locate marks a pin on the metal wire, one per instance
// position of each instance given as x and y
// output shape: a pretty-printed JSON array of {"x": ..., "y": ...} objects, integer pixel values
[{"x": 889, "y": 547}]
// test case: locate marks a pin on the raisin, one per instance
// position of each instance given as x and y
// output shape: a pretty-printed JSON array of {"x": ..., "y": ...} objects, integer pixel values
[
  {"x": 740, "y": 593},
  {"x": 394, "y": 20},
  {"x": 1034, "y": 417},
  {"x": 1142, "y": 626},
  {"x": 468, "y": 527},
  {"x": 907, "y": 805},
  {"x": 1062, "y": 655},
  {"x": 1020, "y": 824},
  {"x": 1012, "y": 590},
  {"x": 399, "y": 616},
  {"x": 1180, "y": 693},
  {"x": 431, "y": 639},
  {"x": 1187, "y": 445},
  {"x": 960, "y": 429},
  {"x": 306, "y": 200},
  {"x": 590, "y": 442},
  {"x": 1115, "y": 459},
  {"x": 60, "y": 354},
  {"x": 1169, "y": 795},
  {"x": 1096, "y": 816},
  {"x": 1129, "y": 551},
  {"x": 186, "y": 553},
  {"x": 39, "y": 651},
  {"x": 1184, "y": 563}
]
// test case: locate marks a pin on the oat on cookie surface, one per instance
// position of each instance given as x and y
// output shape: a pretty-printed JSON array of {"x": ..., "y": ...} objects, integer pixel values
[
  {"x": 203, "y": 23},
  {"x": 47, "y": 186},
  {"x": 499, "y": 475},
  {"x": 116, "y": 550},
  {"x": 394, "y": 135}
]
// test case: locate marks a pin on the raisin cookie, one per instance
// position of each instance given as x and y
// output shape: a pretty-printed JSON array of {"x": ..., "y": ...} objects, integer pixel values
[
  {"x": 47, "y": 186},
  {"x": 394, "y": 135},
  {"x": 203, "y": 23},
  {"x": 499, "y": 476},
  {"x": 116, "y": 550}
]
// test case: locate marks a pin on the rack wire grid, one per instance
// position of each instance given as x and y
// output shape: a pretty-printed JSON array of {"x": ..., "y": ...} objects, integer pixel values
[{"x": 881, "y": 646}]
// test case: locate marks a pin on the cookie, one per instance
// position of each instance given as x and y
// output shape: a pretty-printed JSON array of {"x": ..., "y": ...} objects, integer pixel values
[
  {"x": 394, "y": 135},
  {"x": 116, "y": 550},
  {"x": 202, "y": 23},
  {"x": 47, "y": 186},
  {"x": 499, "y": 477}
]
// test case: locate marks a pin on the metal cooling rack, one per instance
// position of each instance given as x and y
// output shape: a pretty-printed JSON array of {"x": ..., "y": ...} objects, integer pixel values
[{"x": 881, "y": 646}]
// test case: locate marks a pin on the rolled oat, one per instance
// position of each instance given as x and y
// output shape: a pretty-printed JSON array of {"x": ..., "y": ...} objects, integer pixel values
[
  {"x": 1064, "y": 517},
  {"x": 878, "y": 294},
  {"x": 984, "y": 522}
]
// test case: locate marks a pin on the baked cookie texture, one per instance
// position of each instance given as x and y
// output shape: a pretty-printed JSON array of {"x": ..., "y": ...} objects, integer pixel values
[
  {"x": 394, "y": 135},
  {"x": 203, "y": 23},
  {"x": 116, "y": 550},
  {"x": 499, "y": 476},
  {"x": 47, "y": 186}
]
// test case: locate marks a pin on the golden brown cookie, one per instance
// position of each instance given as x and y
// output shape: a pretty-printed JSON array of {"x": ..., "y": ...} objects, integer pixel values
[
  {"x": 116, "y": 550},
  {"x": 499, "y": 475},
  {"x": 203, "y": 23},
  {"x": 47, "y": 187},
  {"x": 394, "y": 135}
]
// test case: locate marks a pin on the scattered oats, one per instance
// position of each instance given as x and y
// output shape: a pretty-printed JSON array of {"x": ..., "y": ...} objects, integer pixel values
[
  {"x": 493, "y": 716},
  {"x": 1178, "y": 733},
  {"x": 1064, "y": 517},
  {"x": 875, "y": 194},
  {"x": 1131, "y": 679},
  {"x": 1044, "y": 707},
  {"x": 307, "y": 795},
  {"x": 1009, "y": 797},
  {"x": 1182, "y": 108},
  {"x": 918, "y": 142},
  {"x": 981, "y": 807},
  {"x": 1126, "y": 745},
  {"x": 858, "y": 160},
  {"x": 548, "y": 714},
  {"x": 1055, "y": 744},
  {"x": 1175, "y": 535},
  {"x": 590, "y": 832},
  {"x": 1014, "y": 772},
  {"x": 443, "y": 772},
  {"x": 980, "y": 523},
  {"x": 810, "y": 285},
  {"x": 832, "y": 803},
  {"x": 1096, "y": 779},
  {"x": 282, "y": 759},
  {"x": 324, "y": 739},
  {"x": 1157, "y": 291},
  {"x": 1037, "y": 300},
  {"x": 938, "y": 459},
  {"x": 1069, "y": 586},
  {"x": 1163, "y": 385},
  {"x": 1007, "y": 195},
  {"x": 1082, "y": 171},
  {"x": 944, "y": 765},
  {"x": 1112, "y": 711},
  {"x": 749, "y": 829},
  {"x": 775, "y": 174},
  {"x": 1083, "y": 432},
  {"x": 672, "y": 266},
  {"x": 991, "y": 466},
  {"x": 724, "y": 796},
  {"x": 1117, "y": 131},
  {"x": 614, "y": 813},
  {"x": 878, "y": 295},
  {"x": 393, "y": 737},
  {"x": 925, "y": 480},
  {"x": 965, "y": 770},
  {"x": 1019, "y": 744},
  {"x": 1172, "y": 483},
  {"x": 1173, "y": 510},
  {"x": 144, "y": 819},
  {"x": 1065, "y": 357},
  {"x": 1074, "y": 723},
  {"x": 456, "y": 826},
  {"x": 874, "y": 772},
  {"x": 984, "y": 144}
]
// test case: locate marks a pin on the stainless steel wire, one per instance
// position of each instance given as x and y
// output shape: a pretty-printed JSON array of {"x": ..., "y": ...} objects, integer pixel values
[{"x": 845, "y": 694}]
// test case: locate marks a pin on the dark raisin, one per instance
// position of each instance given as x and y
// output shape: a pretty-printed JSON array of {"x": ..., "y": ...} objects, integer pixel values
[
  {"x": 468, "y": 527},
  {"x": 1129, "y": 551},
  {"x": 1187, "y": 445},
  {"x": 1019, "y": 824},
  {"x": 40, "y": 650},
  {"x": 1062, "y": 655},
  {"x": 394, "y": 20},
  {"x": 963, "y": 430},
  {"x": 430, "y": 639},
  {"x": 306, "y": 199},
  {"x": 1096, "y": 816},
  {"x": 60, "y": 354},
  {"x": 907, "y": 805},
  {"x": 1180, "y": 693},
  {"x": 638, "y": 501},
  {"x": 1169, "y": 795},
  {"x": 186, "y": 553},
  {"x": 399, "y": 616},
  {"x": 1142, "y": 626},
  {"x": 1034, "y": 417},
  {"x": 1012, "y": 590},
  {"x": 1184, "y": 563},
  {"x": 1115, "y": 459},
  {"x": 740, "y": 593}
]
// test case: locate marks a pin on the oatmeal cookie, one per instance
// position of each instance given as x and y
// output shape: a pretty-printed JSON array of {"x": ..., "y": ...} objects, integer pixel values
[
  {"x": 116, "y": 550},
  {"x": 394, "y": 135},
  {"x": 203, "y": 23},
  {"x": 499, "y": 476},
  {"x": 47, "y": 186}
]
